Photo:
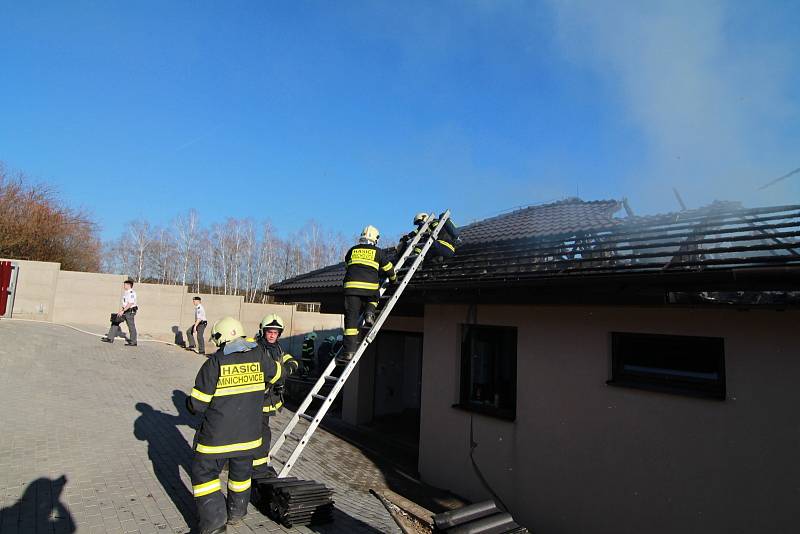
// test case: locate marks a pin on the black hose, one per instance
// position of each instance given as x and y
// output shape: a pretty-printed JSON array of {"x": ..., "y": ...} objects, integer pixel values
[{"x": 472, "y": 446}]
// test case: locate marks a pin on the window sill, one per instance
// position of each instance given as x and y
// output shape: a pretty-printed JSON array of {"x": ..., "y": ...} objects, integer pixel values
[
  {"x": 634, "y": 384},
  {"x": 489, "y": 412}
]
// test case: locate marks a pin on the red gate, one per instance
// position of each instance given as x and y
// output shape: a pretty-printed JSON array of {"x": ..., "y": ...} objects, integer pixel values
[{"x": 5, "y": 283}]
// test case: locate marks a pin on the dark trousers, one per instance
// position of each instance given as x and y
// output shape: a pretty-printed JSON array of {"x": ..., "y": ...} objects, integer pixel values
[
  {"x": 438, "y": 253},
  {"x": 116, "y": 331},
  {"x": 212, "y": 510},
  {"x": 354, "y": 305},
  {"x": 261, "y": 459},
  {"x": 201, "y": 342}
]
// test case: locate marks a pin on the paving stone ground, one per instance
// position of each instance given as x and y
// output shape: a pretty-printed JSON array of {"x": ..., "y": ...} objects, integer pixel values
[{"x": 94, "y": 438}]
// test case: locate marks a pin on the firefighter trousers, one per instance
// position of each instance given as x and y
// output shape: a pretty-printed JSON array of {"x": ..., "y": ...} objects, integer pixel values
[
  {"x": 354, "y": 305},
  {"x": 212, "y": 510},
  {"x": 261, "y": 467}
]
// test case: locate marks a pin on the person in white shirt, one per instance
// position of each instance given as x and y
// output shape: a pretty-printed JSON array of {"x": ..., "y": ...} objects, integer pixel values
[
  {"x": 198, "y": 327},
  {"x": 127, "y": 312}
]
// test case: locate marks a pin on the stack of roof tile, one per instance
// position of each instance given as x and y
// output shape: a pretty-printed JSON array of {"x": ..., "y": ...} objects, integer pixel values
[{"x": 291, "y": 502}]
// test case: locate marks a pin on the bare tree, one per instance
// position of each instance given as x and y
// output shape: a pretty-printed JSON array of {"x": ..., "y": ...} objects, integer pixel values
[
  {"x": 186, "y": 227},
  {"x": 139, "y": 232},
  {"x": 244, "y": 260}
]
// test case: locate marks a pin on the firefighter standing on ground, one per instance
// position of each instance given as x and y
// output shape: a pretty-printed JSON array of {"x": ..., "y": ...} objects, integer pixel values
[
  {"x": 307, "y": 353},
  {"x": 228, "y": 392},
  {"x": 366, "y": 265},
  {"x": 325, "y": 352},
  {"x": 270, "y": 330}
]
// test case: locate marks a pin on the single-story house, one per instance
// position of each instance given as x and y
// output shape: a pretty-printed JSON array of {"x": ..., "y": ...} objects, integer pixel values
[{"x": 606, "y": 372}]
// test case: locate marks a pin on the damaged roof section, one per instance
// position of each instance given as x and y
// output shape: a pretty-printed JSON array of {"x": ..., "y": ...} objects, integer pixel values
[
  {"x": 569, "y": 216},
  {"x": 572, "y": 240},
  {"x": 722, "y": 235}
]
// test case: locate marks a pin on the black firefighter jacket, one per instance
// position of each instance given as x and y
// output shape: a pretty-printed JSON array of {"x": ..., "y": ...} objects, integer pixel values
[
  {"x": 229, "y": 393},
  {"x": 366, "y": 265},
  {"x": 447, "y": 237},
  {"x": 273, "y": 397}
]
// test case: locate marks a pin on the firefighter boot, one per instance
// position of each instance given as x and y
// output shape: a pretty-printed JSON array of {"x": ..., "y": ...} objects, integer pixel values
[
  {"x": 344, "y": 357},
  {"x": 237, "y": 505},
  {"x": 369, "y": 318},
  {"x": 211, "y": 513}
]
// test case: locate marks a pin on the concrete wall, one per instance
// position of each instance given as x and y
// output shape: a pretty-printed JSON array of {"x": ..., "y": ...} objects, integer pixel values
[
  {"x": 36, "y": 286},
  {"x": 583, "y": 456},
  {"x": 87, "y": 299},
  {"x": 160, "y": 308}
]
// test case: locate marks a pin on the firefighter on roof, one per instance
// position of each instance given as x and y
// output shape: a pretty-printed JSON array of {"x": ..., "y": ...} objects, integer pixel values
[
  {"x": 228, "y": 393},
  {"x": 366, "y": 265},
  {"x": 269, "y": 330},
  {"x": 445, "y": 245}
]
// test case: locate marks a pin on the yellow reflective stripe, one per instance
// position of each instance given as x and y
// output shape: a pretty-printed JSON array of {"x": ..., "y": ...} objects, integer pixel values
[
  {"x": 235, "y": 485},
  {"x": 448, "y": 245},
  {"x": 374, "y": 304},
  {"x": 272, "y": 407},
  {"x": 351, "y": 331},
  {"x": 368, "y": 263},
  {"x": 233, "y": 447},
  {"x": 361, "y": 285},
  {"x": 260, "y": 461},
  {"x": 277, "y": 375},
  {"x": 287, "y": 357},
  {"x": 235, "y": 390},
  {"x": 199, "y": 395},
  {"x": 250, "y": 339},
  {"x": 207, "y": 487},
  {"x": 387, "y": 266}
]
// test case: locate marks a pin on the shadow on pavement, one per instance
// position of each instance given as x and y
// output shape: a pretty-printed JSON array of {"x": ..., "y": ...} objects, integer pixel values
[
  {"x": 176, "y": 330},
  {"x": 168, "y": 450},
  {"x": 342, "y": 522},
  {"x": 39, "y": 509}
]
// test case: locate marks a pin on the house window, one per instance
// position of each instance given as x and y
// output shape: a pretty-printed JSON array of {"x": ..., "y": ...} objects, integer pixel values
[
  {"x": 489, "y": 370},
  {"x": 687, "y": 365}
]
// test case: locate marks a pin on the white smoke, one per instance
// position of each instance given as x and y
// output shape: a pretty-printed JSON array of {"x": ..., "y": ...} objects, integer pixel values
[{"x": 711, "y": 97}]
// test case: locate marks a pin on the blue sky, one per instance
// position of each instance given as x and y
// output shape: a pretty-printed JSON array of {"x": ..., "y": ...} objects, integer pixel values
[{"x": 367, "y": 112}]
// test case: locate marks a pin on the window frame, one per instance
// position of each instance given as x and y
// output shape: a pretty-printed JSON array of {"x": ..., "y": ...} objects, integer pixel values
[
  {"x": 666, "y": 383},
  {"x": 465, "y": 373}
]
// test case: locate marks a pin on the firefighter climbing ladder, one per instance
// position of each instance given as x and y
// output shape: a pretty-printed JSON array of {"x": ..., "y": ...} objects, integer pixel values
[{"x": 338, "y": 381}]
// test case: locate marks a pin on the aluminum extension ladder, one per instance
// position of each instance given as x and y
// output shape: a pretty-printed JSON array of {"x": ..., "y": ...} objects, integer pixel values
[{"x": 339, "y": 381}]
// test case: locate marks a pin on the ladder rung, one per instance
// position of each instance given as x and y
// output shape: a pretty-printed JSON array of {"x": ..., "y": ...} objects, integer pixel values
[
  {"x": 306, "y": 416},
  {"x": 319, "y": 397},
  {"x": 294, "y": 436},
  {"x": 331, "y": 378}
]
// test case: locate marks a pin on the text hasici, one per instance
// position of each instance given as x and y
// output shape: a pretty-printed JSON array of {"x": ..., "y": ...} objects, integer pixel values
[{"x": 240, "y": 374}]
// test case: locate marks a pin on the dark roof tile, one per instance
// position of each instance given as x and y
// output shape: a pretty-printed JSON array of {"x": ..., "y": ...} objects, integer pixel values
[{"x": 574, "y": 237}]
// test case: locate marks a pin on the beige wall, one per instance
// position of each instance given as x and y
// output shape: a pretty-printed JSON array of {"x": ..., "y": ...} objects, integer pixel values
[
  {"x": 45, "y": 292},
  {"x": 159, "y": 308},
  {"x": 86, "y": 298},
  {"x": 36, "y": 286},
  {"x": 583, "y": 456}
]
